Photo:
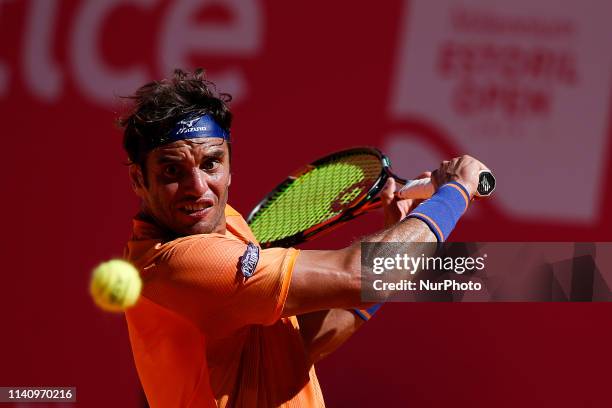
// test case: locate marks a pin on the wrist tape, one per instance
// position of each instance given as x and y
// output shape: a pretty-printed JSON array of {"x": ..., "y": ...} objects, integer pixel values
[
  {"x": 442, "y": 211},
  {"x": 366, "y": 314}
]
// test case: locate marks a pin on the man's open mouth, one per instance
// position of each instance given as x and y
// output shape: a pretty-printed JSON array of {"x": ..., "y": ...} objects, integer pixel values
[{"x": 195, "y": 209}]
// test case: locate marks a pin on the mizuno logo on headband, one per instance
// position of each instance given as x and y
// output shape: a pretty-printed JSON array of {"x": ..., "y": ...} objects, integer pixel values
[
  {"x": 195, "y": 127},
  {"x": 188, "y": 122}
]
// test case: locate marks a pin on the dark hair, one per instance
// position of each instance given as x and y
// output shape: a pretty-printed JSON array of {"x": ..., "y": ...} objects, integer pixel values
[{"x": 159, "y": 105}]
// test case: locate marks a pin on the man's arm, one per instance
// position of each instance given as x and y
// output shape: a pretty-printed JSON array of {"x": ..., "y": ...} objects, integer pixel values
[
  {"x": 332, "y": 279},
  {"x": 326, "y": 330},
  {"x": 323, "y": 331}
]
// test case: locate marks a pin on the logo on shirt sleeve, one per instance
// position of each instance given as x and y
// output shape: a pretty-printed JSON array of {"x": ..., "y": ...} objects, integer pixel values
[{"x": 248, "y": 261}]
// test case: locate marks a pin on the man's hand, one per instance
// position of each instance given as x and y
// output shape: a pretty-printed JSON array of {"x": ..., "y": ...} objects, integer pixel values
[
  {"x": 394, "y": 208},
  {"x": 464, "y": 170}
]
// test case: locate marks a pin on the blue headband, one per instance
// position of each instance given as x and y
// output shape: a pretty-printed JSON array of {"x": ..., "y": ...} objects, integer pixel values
[{"x": 193, "y": 127}]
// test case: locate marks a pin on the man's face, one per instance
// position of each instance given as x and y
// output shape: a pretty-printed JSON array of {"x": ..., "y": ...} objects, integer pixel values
[{"x": 187, "y": 185}]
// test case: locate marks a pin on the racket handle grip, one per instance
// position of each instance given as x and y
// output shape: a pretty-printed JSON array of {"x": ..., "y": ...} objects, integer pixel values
[
  {"x": 423, "y": 188},
  {"x": 416, "y": 189}
]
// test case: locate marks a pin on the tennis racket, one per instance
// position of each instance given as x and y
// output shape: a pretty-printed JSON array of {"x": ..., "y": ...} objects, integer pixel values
[{"x": 331, "y": 191}]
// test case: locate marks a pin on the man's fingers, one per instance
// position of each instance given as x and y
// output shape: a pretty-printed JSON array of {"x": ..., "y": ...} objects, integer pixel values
[
  {"x": 435, "y": 178},
  {"x": 386, "y": 195},
  {"x": 463, "y": 169}
]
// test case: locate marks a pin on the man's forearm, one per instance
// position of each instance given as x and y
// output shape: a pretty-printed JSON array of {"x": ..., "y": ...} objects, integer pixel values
[
  {"x": 326, "y": 330},
  {"x": 413, "y": 233},
  {"x": 409, "y": 231},
  {"x": 332, "y": 279}
]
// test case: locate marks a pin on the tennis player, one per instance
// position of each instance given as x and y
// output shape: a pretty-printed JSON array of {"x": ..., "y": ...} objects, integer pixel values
[{"x": 220, "y": 321}]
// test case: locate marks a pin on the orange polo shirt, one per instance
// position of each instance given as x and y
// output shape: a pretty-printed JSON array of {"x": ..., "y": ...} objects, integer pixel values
[{"x": 202, "y": 335}]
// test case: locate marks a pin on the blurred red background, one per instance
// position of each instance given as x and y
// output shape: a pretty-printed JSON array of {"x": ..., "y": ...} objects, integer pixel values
[{"x": 422, "y": 82}]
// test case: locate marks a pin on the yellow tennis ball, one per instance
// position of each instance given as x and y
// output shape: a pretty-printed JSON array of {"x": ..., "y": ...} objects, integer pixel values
[{"x": 115, "y": 285}]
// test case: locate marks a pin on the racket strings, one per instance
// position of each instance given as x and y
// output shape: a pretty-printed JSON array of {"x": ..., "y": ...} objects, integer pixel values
[{"x": 316, "y": 196}]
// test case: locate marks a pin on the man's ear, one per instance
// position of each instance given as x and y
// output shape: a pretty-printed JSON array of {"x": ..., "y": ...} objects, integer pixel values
[{"x": 136, "y": 179}]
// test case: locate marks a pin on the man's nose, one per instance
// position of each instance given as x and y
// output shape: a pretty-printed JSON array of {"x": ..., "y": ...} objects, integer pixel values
[{"x": 195, "y": 182}]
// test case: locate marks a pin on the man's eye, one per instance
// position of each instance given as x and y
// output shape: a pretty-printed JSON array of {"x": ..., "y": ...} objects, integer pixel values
[
  {"x": 211, "y": 164},
  {"x": 171, "y": 171}
]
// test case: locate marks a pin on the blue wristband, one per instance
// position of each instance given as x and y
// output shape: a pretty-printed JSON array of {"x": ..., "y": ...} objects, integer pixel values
[
  {"x": 366, "y": 314},
  {"x": 442, "y": 211}
]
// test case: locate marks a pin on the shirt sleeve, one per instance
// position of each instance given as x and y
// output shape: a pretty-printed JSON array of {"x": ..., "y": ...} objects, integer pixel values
[{"x": 200, "y": 278}]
